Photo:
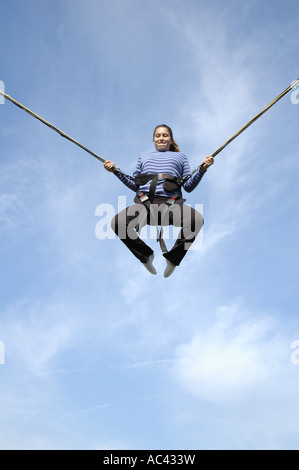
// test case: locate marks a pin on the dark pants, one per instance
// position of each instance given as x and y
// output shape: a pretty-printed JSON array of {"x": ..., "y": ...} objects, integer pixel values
[{"x": 124, "y": 225}]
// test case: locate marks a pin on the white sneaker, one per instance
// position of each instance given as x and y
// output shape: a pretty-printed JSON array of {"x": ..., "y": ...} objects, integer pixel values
[
  {"x": 169, "y": 268},
  {"x": 149, "y": 265}
]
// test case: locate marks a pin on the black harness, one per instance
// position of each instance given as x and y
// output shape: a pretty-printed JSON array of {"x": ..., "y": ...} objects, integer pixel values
[{"x": 171, "y": 183}]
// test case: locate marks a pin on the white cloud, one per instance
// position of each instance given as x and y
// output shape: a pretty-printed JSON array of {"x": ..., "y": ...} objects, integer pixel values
[
  {"x": 232, "y": 358},
  {"x": 36, "y": 332},
  {"x": 10, "y": 208}
]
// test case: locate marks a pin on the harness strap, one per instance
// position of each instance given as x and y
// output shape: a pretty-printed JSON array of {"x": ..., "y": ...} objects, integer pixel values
[
  {"x": 169, "y": 203},
  {"x": 154, "y": 178},
  {"x": 147, "y": 200}
]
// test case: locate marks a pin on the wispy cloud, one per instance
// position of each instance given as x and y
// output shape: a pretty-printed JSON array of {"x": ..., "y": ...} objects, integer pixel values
[
  {"x": 36, "y": 333},
  {"x": 234, "y": 357},
  {"x": 10, "y": 208}
]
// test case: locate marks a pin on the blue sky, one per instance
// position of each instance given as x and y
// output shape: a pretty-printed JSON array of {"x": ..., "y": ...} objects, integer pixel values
[{"x": 99, "y": 354}]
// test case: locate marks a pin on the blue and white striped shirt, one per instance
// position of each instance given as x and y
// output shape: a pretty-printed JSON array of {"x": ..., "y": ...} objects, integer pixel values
[{"x": 168, "y": 162}]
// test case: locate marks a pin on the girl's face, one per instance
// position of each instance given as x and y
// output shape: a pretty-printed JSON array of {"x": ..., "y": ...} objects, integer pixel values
[{"x": 162, "y": 139}]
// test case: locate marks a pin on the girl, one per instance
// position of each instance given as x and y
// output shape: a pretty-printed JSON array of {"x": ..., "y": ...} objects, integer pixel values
[{"x": 158, "y": 179}]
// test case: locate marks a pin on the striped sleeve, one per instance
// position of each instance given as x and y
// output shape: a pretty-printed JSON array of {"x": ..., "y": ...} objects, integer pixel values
[
  {"x": 192, "y": 182},
  {"x": 127, "y": 181}
]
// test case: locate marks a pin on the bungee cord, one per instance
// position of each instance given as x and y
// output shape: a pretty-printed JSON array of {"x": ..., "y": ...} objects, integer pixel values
[
  {"x": 63, "y": 134},
  {"x": 295, "y": 83},
  {"x": 50, "y": 125}
]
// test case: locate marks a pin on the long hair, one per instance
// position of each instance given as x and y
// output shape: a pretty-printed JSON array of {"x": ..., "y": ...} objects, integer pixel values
[{"x": 173, "y": 146}]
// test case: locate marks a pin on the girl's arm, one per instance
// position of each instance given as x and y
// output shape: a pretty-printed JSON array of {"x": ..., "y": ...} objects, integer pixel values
[
  {"x": 195, "y": 179},
  {"x": 110, "y": 166}
]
